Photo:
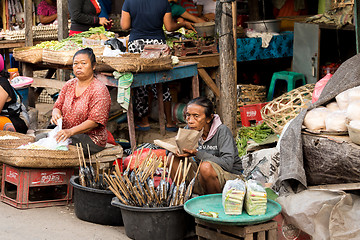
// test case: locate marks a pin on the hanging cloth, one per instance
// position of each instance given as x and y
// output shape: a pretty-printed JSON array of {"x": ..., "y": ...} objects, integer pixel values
[
  {"x": 124, "y": 92},
  {"x": 96, "y": 5}
]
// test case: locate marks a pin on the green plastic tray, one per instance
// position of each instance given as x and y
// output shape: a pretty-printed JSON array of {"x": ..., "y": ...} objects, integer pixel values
[{"x": 213, "y": 203}]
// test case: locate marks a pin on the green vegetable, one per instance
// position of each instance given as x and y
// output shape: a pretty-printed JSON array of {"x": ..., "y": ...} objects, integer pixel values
[
  {"x": 209, "y": 214},
  {"x": 258, "y": 134}
]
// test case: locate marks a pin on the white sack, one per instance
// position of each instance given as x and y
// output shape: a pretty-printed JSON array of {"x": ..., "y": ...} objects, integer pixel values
[
  {"x": 335, "y": 121},
  {"x": 353, "y": 111},
  {"x": 354, "y": 94},
  {"x": 333, "y": 106},
  {"x": 342, "y": 99},
  {"x": 315, "y": 118}
]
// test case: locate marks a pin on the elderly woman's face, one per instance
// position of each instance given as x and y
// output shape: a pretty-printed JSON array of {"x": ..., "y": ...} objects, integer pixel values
[
  {"x": 82, "y": 67},
  {"x": 195, "y": 117}
]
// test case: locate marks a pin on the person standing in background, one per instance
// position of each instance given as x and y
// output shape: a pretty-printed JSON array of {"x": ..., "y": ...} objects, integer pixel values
[
  {"x": 84, "y": 14},
  {"x": 47, "y": 11},
  {"x": 105, "y": 8},
  {"x": 206, "y": 9}
]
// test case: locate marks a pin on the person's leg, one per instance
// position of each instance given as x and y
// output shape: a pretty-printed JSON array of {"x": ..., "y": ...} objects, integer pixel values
[
  {"x": 6, "y": 124},
  {"x": 209, "y": 179},
  {"x": 85, "y": 140},
  {"x": 141, "y": 105},
  {"x": 167, "y": 106}
]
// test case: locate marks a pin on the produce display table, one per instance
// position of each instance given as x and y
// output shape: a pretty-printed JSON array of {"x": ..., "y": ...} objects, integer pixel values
[{"x": 6, "y": 45}]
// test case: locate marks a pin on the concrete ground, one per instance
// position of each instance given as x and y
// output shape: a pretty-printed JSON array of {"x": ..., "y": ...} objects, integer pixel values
[{"x": 52, "y": 223}]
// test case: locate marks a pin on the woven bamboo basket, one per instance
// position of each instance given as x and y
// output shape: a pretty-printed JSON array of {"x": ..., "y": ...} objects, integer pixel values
[
  {"x": 14, "y": 143},
  {"x": 97, "y": 49},
  {"x": 58, "y": 57},
  {"x": 33, "y": 158},
  {"x": 133, "y": 63},
  {"x": 282, "y": 109},
  {"x": 28, "y": 54}
]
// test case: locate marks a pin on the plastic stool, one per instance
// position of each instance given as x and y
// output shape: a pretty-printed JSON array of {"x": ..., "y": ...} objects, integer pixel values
[{"x": 290, "y": 77}]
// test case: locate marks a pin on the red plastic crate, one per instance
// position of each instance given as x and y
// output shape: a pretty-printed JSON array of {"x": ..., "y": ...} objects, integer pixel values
[
  {"x": 251, "y": 113},
  {"x": 31, "y": 187}
]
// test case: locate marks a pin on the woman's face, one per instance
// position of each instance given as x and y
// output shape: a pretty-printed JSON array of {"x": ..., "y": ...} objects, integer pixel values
[
  {"x": 195, "y": 117},
  {"x": 82, "y": 67}
]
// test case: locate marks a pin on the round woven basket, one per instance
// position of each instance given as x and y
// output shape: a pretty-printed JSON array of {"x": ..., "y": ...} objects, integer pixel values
[
  {"x": 282, "y": 109},
  {"x": 14, "y": 143},
  {"x": 28, "y": 54}
]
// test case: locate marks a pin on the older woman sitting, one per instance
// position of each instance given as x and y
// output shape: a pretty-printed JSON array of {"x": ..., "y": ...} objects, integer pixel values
[
  {"x": 217, "y": 148},
  {"x": 84, "y": 105}
]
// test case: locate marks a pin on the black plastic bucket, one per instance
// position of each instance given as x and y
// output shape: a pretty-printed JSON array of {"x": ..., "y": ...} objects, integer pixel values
[
  {"x": 94, "y": 205},
  {"x": 167, "y": 223}
]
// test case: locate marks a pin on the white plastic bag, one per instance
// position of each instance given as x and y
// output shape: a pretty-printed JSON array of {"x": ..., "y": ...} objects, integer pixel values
[
  {"x": 315, "y": 118},
  {"x": 335, "y": 121},
  {"x": 50, "y": 143},
  {"x": 233, "y": 196},
  {"x": 353, "y": 111}
]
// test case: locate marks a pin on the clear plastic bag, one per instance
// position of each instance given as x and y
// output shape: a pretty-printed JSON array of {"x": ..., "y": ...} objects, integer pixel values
[
  {"x": 256, "y": 198},
  {"x": 233, "y": 196}
]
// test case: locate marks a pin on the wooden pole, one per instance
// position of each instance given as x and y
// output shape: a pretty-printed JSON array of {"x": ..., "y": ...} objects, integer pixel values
[
  {"x": 29, "y": 41},
  {"x": 227, "y": 66},
  {"x": 356, "y": 22},
  {"x": 63, "y": 32}
]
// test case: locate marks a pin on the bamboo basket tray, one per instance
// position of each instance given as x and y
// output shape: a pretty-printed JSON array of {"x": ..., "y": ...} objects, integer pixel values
[
  {"x": 58, "y": 57},
  {"x": 28, "y": 54},
  {"x": 14, "y": 143},
  {"x": 133, "y": 63},
  {"x": 34, "y": 158},
  {"x": 282, "y": 109},
  {"x": 97, "y": 49}
]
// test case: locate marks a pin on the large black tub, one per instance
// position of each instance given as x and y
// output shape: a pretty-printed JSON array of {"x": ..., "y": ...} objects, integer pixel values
[
  {"x": 94, "y": 205},
  {"x": 167, "y": 223}
]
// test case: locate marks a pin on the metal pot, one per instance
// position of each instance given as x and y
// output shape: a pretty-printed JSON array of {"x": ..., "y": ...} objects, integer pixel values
[
  {"x": 272, "y": 25},
  {"x": 205, "y": 29}
]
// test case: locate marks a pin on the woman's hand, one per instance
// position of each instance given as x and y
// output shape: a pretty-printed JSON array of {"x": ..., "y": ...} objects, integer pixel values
[
  {"x": 189, "y": 25},
  {"x": 103, "y": 21},
  {"x": 187, "y": 153},
  {"x": 56, "y": 114},
  {"x": 62, "y": 135}
]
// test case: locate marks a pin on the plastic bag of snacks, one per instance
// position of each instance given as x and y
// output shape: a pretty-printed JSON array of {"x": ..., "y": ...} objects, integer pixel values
[
  {"x": 255, "y": 199},
  {"x": 233, "y": 196}
]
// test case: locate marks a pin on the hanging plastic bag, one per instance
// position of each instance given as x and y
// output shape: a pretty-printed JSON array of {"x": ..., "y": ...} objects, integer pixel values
[
  {"x": 319, "y": 86},
  {"x": 50, "y": 143}
]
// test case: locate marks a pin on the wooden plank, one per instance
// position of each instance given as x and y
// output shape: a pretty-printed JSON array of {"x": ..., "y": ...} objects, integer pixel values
[
  {"x": 62, "y": 18},
  {"x": 342, "y": 186},
  {"x": 159, "y": 89},
  {"x": 131, "y": 123},
  {"x": 28, "y": 23},
  {"x": 208, "y": 80},
  {"x": 273, "y": 234},
  {"x": 212, "y": 234},
  {"x": 235, "y": 230},
  {"x": 48, "y": 83},
  {"x": 249, "y": 236},
  {"x": 204, "y": 61},
  {"x": 261, "y": 235},
  {"x": 261, "y": 227},
  {"x": 195, "y": 86}
]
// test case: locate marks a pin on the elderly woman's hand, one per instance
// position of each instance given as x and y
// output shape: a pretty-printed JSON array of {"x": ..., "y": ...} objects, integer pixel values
[
  {"x": 187, "y": 153},
  {"x": 62, "y": 135},
  {"x": 56, "y": 115}
]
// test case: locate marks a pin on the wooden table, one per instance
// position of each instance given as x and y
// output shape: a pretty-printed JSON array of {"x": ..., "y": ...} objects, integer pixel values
[
  {"x": 205, "y": 61},
  {"x": 180, "y": 71}
]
